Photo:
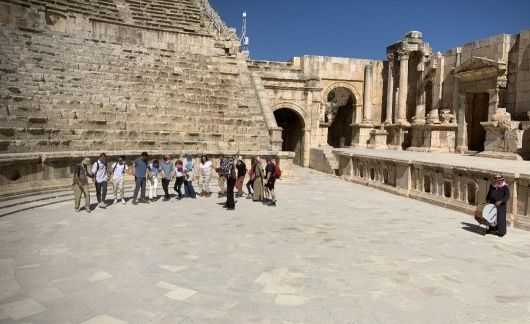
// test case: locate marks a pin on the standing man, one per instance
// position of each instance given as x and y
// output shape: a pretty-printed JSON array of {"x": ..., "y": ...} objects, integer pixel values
[
  {"x": 270, "y": 179},
  {"x": 499, "y": 194},
  {"x": 118, "y": 178},
  {"x": 167, "y": 168},
  {"x": 221, "y": 171},
  {"x": 80, "y": 184},
  {"x": 100, "y": 173},
  {"x": 140, "y": 177}
]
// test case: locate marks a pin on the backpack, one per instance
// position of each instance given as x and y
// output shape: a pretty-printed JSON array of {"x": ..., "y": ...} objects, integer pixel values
[{"x": 277, "y": 171}]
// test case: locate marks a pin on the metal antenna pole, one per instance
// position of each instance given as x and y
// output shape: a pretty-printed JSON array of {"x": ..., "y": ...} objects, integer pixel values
[{"x": 244, "y": 40}]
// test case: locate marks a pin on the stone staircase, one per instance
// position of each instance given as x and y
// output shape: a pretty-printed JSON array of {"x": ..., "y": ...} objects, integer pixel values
[{"x": 323, "y": 159}]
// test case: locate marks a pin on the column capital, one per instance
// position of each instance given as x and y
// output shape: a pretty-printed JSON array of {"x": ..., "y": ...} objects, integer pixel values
[{"x": 404, "y": 55}]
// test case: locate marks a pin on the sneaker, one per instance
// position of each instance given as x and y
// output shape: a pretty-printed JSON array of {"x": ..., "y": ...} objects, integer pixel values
[
  {"x": 115, "y": 201},
  {"x": 134, "y": 202},
  {"x": 123, "y": 201},
  {"x": 165, "y": 199},
  {"x": 87, "y": 209},
  {"x": 77, "y": 210},
  {"x": 272, "y": 204}
]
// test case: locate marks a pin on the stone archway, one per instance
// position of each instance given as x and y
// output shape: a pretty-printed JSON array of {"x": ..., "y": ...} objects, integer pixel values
[
  {"x": 293, "y": 132},
  {"x": 341, "y": 107}
]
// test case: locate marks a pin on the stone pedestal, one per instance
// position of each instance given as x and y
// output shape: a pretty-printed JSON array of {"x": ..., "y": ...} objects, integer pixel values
[
  {"x": 504, "y": 140},
  {"x": 433, "y": 138},
  {"x": 378, "y": 138},
  {"x": 396, "y": 136},
  {"x": 361, "y": 134},
  {"x": 322, "y": 136},
  {"x": 276, "y": 138}
]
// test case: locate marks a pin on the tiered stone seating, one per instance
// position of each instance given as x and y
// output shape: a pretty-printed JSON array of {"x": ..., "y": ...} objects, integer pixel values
[
  {"x": 85, "y": 96},
  {"x": 172, "y": 15},
  {"x": 104, "y": 9},
  {"x": 166, "y": 14}
]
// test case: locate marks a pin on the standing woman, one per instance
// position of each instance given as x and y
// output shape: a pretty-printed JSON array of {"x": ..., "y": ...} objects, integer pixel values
[
  {"x": 189, "y": 168},
  {"x": 258, "y": 181},
  {"x": 230, "y": 184},
  {"x": 179, "y": 175},
  {"x": 167, "y": 171},
  {"x": 499, "y": 194},
  {"x": 152, "y": 181},
  {"x": 205, "y": 175},
  {"x": 241, "y": 173},
  {"x": 250, "y": 182}
]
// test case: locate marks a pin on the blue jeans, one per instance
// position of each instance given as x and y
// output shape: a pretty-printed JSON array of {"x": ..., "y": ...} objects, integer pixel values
[
  {"x": 188, "y": 189},
  {"x": 140, "y": 185}
]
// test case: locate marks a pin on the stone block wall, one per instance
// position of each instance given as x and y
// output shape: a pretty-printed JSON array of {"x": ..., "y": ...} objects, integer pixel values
[{"x": 522, "y": 64}]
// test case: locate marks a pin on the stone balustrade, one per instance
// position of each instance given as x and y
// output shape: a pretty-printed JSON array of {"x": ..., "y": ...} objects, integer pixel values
[{"x": 443, "y": 183}]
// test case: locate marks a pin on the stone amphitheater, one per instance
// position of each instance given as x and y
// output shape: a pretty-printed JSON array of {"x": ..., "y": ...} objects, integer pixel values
[
  {"x": 80, "y": 77},
  {"x": 124, "y": 76}
]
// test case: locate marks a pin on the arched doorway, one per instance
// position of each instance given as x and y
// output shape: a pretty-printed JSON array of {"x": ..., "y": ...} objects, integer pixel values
[
  {"x": 292, "y": 133},
  {"x": 340, "y": 110}
]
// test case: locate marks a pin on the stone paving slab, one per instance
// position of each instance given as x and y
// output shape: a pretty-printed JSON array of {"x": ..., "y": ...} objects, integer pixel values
[
  {"x": 447, "y": 159},
  {"x": 330, "y": 252}
]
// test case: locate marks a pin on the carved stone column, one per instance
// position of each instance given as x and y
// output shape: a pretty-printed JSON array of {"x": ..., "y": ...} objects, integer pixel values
[
  {"x": 419, "y": 116},
  {"x": 403, "y": 88},
  {"x": 461, "y": 135},
  {"x": 367, "y": 98},
  {"x": 493, "y": 102},
  {"x": 390, "y": 89}
]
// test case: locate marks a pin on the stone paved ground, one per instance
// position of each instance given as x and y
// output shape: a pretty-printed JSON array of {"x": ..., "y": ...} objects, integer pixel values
[{"x": 331, "y": 252}]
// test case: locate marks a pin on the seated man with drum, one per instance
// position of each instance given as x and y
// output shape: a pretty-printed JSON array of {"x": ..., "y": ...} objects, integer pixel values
[{"x": 498, "y": 194}]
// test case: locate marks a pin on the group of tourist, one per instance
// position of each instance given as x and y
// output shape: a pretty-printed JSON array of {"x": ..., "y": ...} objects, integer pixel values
[{"x": 231, "y": 174}]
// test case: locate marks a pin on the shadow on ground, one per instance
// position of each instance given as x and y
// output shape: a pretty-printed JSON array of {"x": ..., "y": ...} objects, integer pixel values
[{"x": 473, "y": 228}]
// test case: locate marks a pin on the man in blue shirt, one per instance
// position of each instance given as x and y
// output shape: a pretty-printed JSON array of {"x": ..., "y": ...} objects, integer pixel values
[{"x": 140, "y": 176}]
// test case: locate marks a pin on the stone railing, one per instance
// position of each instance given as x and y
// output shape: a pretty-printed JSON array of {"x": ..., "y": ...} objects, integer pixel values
[
  {"x": 21, "y": 172},
  {"x": 455, "y": 187}
]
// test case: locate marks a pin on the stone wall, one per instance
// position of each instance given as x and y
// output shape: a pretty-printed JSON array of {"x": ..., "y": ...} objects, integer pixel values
[{"x": 522, "y": 68}]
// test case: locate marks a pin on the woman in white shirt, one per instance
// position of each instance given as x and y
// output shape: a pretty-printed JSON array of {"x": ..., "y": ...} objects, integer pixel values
[{"x": 205, "y": 175}]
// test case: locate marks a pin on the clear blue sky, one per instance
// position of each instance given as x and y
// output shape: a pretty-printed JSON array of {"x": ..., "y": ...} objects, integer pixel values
[{"x": 279, "y": 30}]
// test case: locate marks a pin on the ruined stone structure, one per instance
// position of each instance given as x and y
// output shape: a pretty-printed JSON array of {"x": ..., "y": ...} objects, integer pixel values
[
  {"x": 124, "y": 76},
  {"x": 474, "y": 98}
]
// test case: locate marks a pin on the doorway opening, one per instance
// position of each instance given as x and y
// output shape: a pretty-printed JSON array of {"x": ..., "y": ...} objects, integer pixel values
[
  {"x": 476, "y": 112},
  {"x": 340, "y": 111},
  {"x": 292, "y": 133}
]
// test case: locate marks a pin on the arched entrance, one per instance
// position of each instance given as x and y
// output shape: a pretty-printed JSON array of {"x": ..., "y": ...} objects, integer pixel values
[
  {"x": 340, "y": 111},
  {"x": 292, "y": 133}
]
